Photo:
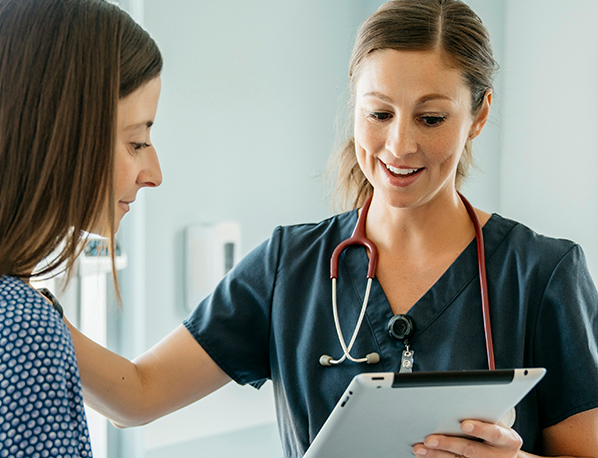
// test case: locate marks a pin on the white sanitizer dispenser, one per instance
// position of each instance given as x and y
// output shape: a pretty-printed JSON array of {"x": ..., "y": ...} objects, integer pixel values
[{"x": 211, "y": 251}]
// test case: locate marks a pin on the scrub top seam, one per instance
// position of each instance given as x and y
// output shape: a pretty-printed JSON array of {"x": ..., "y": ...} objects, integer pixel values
[
  {"x": 541, "y": 301},
  {"x": 278, "y": 232},
  {"x": 551, "y": 421},
  {"x": 500, "y": 242}
]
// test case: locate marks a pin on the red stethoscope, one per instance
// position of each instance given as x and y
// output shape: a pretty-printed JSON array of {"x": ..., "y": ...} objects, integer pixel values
[{"x": 359, "y": 238}]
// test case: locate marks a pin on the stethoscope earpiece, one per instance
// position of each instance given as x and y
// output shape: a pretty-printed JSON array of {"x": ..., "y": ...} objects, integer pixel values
[{"x": 401, "y": 327}]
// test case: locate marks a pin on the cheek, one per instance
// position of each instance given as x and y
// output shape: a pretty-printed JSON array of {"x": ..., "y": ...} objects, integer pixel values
[
  {"x": 362, "y": 143},
  {"x": 447, "y": 147},
  {"x": 368, "y": 139},
  {"x": 123, "y": 171}
]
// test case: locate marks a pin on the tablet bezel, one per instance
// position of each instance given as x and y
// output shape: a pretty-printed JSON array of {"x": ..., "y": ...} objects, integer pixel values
[{"x": 385, "y": 414}]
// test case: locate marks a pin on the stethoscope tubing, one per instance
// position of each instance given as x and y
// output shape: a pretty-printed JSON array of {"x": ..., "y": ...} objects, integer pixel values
[
  {"x": 483, "y": 282},
  {"x": 337, "y": 325},
  {"x": 358, "y": 238}
]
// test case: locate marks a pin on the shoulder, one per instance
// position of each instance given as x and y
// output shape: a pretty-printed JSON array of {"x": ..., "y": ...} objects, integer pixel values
[
  {"x": 330, "y": 230},
  {"x": 513, "y": 238},
  {"x": 524, "y": 261},
  {"x": 29, "y": 323},
  {"x": 18, "y": 297},
  {"x": 297, "y": 246}
]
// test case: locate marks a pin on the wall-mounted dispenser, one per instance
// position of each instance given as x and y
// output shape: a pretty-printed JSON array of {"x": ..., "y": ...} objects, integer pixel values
[{"x": 210, "y": 252}]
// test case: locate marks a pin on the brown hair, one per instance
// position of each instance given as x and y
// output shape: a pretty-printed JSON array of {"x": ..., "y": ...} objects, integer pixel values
[
  {"x": 418, "y": 25},
  {"x": 64, "y": 64}
]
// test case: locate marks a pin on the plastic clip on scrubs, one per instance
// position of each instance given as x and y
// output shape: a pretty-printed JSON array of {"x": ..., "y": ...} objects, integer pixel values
[{"x": 359, "y": 238}]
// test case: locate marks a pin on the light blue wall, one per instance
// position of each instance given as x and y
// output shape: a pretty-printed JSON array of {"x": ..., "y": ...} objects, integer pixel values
[
  {"x": 550, "y": 160},
  {"x": 257, "y": 442}
]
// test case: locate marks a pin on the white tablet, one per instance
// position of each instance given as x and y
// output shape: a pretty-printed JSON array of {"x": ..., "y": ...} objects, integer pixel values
[{"x": 384, "y": 414}]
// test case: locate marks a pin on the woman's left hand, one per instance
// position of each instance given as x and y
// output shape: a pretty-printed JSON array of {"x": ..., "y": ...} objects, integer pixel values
[{"x": 498, "y": 442}]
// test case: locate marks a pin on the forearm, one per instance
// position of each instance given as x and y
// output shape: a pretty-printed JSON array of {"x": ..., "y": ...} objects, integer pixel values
[
  {"x": 174, "y": 373},
  {"x": 112, "y": 385},
  {"x": 522, "y": 454}
]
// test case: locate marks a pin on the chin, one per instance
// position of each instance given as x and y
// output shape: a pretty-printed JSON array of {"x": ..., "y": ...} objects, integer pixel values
[
  {"x": 117, "y": 220},
  {"x": 399, "y": 199}
]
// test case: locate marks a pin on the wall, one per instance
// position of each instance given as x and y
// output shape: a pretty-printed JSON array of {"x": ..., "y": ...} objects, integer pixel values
[{"x": 550, "y": 160}]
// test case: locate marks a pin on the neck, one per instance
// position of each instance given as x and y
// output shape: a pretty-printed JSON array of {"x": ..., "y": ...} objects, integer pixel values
[{"x": 430, "y": 227}]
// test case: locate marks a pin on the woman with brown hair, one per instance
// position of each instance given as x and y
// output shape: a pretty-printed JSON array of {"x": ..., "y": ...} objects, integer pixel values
[
  {"x": 421, "y": 77},
  {"x": 79, "y": 87}
]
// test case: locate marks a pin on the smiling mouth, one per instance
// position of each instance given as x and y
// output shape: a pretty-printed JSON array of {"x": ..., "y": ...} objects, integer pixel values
[{"x": 403, "y": 173}]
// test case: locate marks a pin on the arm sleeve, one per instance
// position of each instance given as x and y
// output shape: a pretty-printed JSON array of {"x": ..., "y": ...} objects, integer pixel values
[
  {"x": 233, "y": 324},
  {"x": 565, "y": 341},
  {"x": 41, "y": 404}
]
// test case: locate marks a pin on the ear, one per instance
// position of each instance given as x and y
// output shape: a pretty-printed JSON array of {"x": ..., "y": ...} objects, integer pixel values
[{"x": 482, "y": 116}]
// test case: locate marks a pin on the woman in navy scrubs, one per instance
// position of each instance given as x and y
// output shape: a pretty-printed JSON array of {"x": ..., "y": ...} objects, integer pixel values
[{"x": 421, "y": 74}]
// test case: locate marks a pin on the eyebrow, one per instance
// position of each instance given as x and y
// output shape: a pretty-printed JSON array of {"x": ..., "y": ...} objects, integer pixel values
[
  {"x": 146, "y": 124},
  {"x": 420, "y": 101}
]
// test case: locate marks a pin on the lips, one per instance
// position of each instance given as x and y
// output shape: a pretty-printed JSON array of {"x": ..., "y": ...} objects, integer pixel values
[
  {"x": 401, "y": 176},
  {"x": 402, "y": 172},
  {"x": 125, "y": 206}
]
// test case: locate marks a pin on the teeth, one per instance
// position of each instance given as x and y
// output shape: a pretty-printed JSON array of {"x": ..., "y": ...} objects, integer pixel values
[{"x": 401, "y": 171}]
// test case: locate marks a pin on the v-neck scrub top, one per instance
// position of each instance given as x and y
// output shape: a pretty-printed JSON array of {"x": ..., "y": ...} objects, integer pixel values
[{"x": 271, "y": 318}]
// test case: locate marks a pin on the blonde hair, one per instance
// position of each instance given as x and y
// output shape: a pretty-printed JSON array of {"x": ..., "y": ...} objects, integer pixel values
[{"x": 417, "y": 25}]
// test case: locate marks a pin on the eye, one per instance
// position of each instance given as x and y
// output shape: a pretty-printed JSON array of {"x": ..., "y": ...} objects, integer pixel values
[
  {"x": 380, "y": 115},
  {"x": 140, "y": 146},
  {"x": 432, "y": 121}
]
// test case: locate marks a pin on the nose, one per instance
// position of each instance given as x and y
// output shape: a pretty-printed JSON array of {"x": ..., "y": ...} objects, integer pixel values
[
  {"x": 401, "y": 139},
  {"x": 151, "y": 173}
]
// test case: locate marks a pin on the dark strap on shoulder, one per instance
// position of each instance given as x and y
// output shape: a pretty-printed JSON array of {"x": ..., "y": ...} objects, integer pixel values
[{"x": 48, "y": 295}]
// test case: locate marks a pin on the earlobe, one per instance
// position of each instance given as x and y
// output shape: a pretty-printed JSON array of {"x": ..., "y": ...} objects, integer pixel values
[{"x": 482, "y": 116}]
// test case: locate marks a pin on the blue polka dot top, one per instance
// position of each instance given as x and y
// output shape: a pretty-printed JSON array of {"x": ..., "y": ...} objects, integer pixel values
[{"x": 41, "y": 403}]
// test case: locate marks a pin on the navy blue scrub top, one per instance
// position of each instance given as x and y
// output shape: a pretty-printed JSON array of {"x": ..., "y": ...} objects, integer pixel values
[{"x": 271, "y": 318}]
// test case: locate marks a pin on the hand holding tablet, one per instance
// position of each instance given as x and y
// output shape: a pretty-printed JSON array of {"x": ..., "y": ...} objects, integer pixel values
[
  {"x": 491, "y": 438},
  {"x": 386, "y": 414}
]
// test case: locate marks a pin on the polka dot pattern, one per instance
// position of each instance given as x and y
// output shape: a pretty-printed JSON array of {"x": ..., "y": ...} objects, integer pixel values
[{"x": 41, "y": 403}]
